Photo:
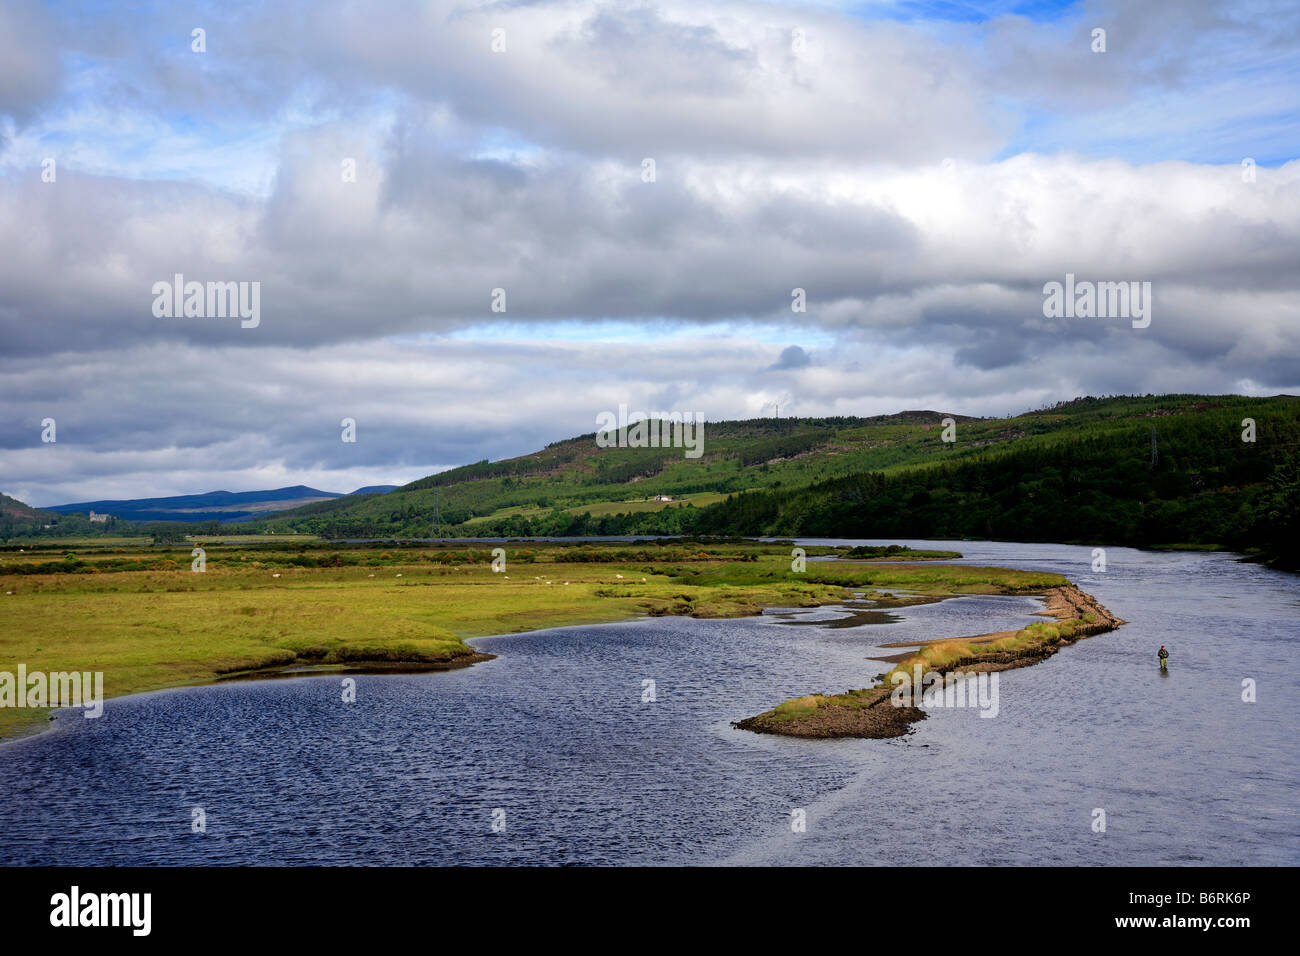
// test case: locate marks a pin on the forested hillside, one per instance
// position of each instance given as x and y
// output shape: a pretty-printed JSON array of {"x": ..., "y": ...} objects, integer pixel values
[
  {"x": 1151, "y": 470},
  {"x": 1177, "y": 472}
]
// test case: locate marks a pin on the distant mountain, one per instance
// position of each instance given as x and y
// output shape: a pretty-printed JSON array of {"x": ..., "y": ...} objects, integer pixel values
[
  {"x": 223, "y": 506},
  {"x": 375, "y": 490}
]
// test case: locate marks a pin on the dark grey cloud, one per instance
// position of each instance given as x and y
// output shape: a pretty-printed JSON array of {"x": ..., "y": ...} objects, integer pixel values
[
  {"x": 992, "y": 353},
  {"x": 422, "y": 239},
  {"x": 30, "y": 73},
  {"x": 792, "y": 357}
]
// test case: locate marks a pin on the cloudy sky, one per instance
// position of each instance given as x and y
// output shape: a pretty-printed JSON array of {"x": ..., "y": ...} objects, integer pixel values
[{"x": 920, "y": 170}]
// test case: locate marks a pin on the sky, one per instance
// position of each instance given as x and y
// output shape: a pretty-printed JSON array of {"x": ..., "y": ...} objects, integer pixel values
[{"x": 646, "y": 184}]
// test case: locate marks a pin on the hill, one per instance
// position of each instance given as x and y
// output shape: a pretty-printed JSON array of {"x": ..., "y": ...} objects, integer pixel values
[
  {"x": 17, "y": 517},
  {"x": 1082, "y": 470},
  {"x": 1124, "y": 470},
  {"x": 577, "y": 475},
  {"x": 13, "y": 508}
]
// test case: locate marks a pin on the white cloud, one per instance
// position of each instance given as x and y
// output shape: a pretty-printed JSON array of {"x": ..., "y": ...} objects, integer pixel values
[{"x": 861, "y": 167}]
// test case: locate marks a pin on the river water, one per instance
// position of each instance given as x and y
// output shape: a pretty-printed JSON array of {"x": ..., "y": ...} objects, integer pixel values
[{"x": 549, "y": 754}]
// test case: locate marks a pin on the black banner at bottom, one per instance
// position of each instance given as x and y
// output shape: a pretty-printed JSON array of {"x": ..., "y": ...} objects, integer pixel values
[{"x": 656, "y": 906}]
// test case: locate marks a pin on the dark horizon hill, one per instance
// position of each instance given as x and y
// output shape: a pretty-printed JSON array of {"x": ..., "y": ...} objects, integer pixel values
[{"x": 222, "y": 506}]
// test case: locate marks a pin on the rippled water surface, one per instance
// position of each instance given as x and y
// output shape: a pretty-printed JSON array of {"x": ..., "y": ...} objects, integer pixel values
[{"x": 555, "y": 733}]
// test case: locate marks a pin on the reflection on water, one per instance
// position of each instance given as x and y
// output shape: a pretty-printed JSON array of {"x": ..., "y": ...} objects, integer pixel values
[{"x": 556, "y": 733}]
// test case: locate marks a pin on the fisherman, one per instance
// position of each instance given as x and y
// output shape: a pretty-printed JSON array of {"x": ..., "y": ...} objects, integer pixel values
[{"x": 1164, "y": 656}]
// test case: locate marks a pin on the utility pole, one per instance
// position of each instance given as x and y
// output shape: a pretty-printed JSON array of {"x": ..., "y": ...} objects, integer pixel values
[
  {"x": 437, "y": 513},
  {"x": 1155, "y": 453}
]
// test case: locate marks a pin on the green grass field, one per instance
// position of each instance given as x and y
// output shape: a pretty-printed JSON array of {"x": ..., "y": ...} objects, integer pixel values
[
  {"x": 264, "y": 606},
  {"x": 640, "y": 506},
  {"x": 634, "y": 506}
]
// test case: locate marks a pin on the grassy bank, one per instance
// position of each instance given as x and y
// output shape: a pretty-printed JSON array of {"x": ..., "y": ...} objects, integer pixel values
[
  {"x": 145, "y": 619},
  {"x": 148, "y": 621}
]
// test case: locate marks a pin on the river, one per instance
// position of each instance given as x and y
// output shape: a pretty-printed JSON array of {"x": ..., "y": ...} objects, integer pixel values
[{"x": 550, "y": 754}]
